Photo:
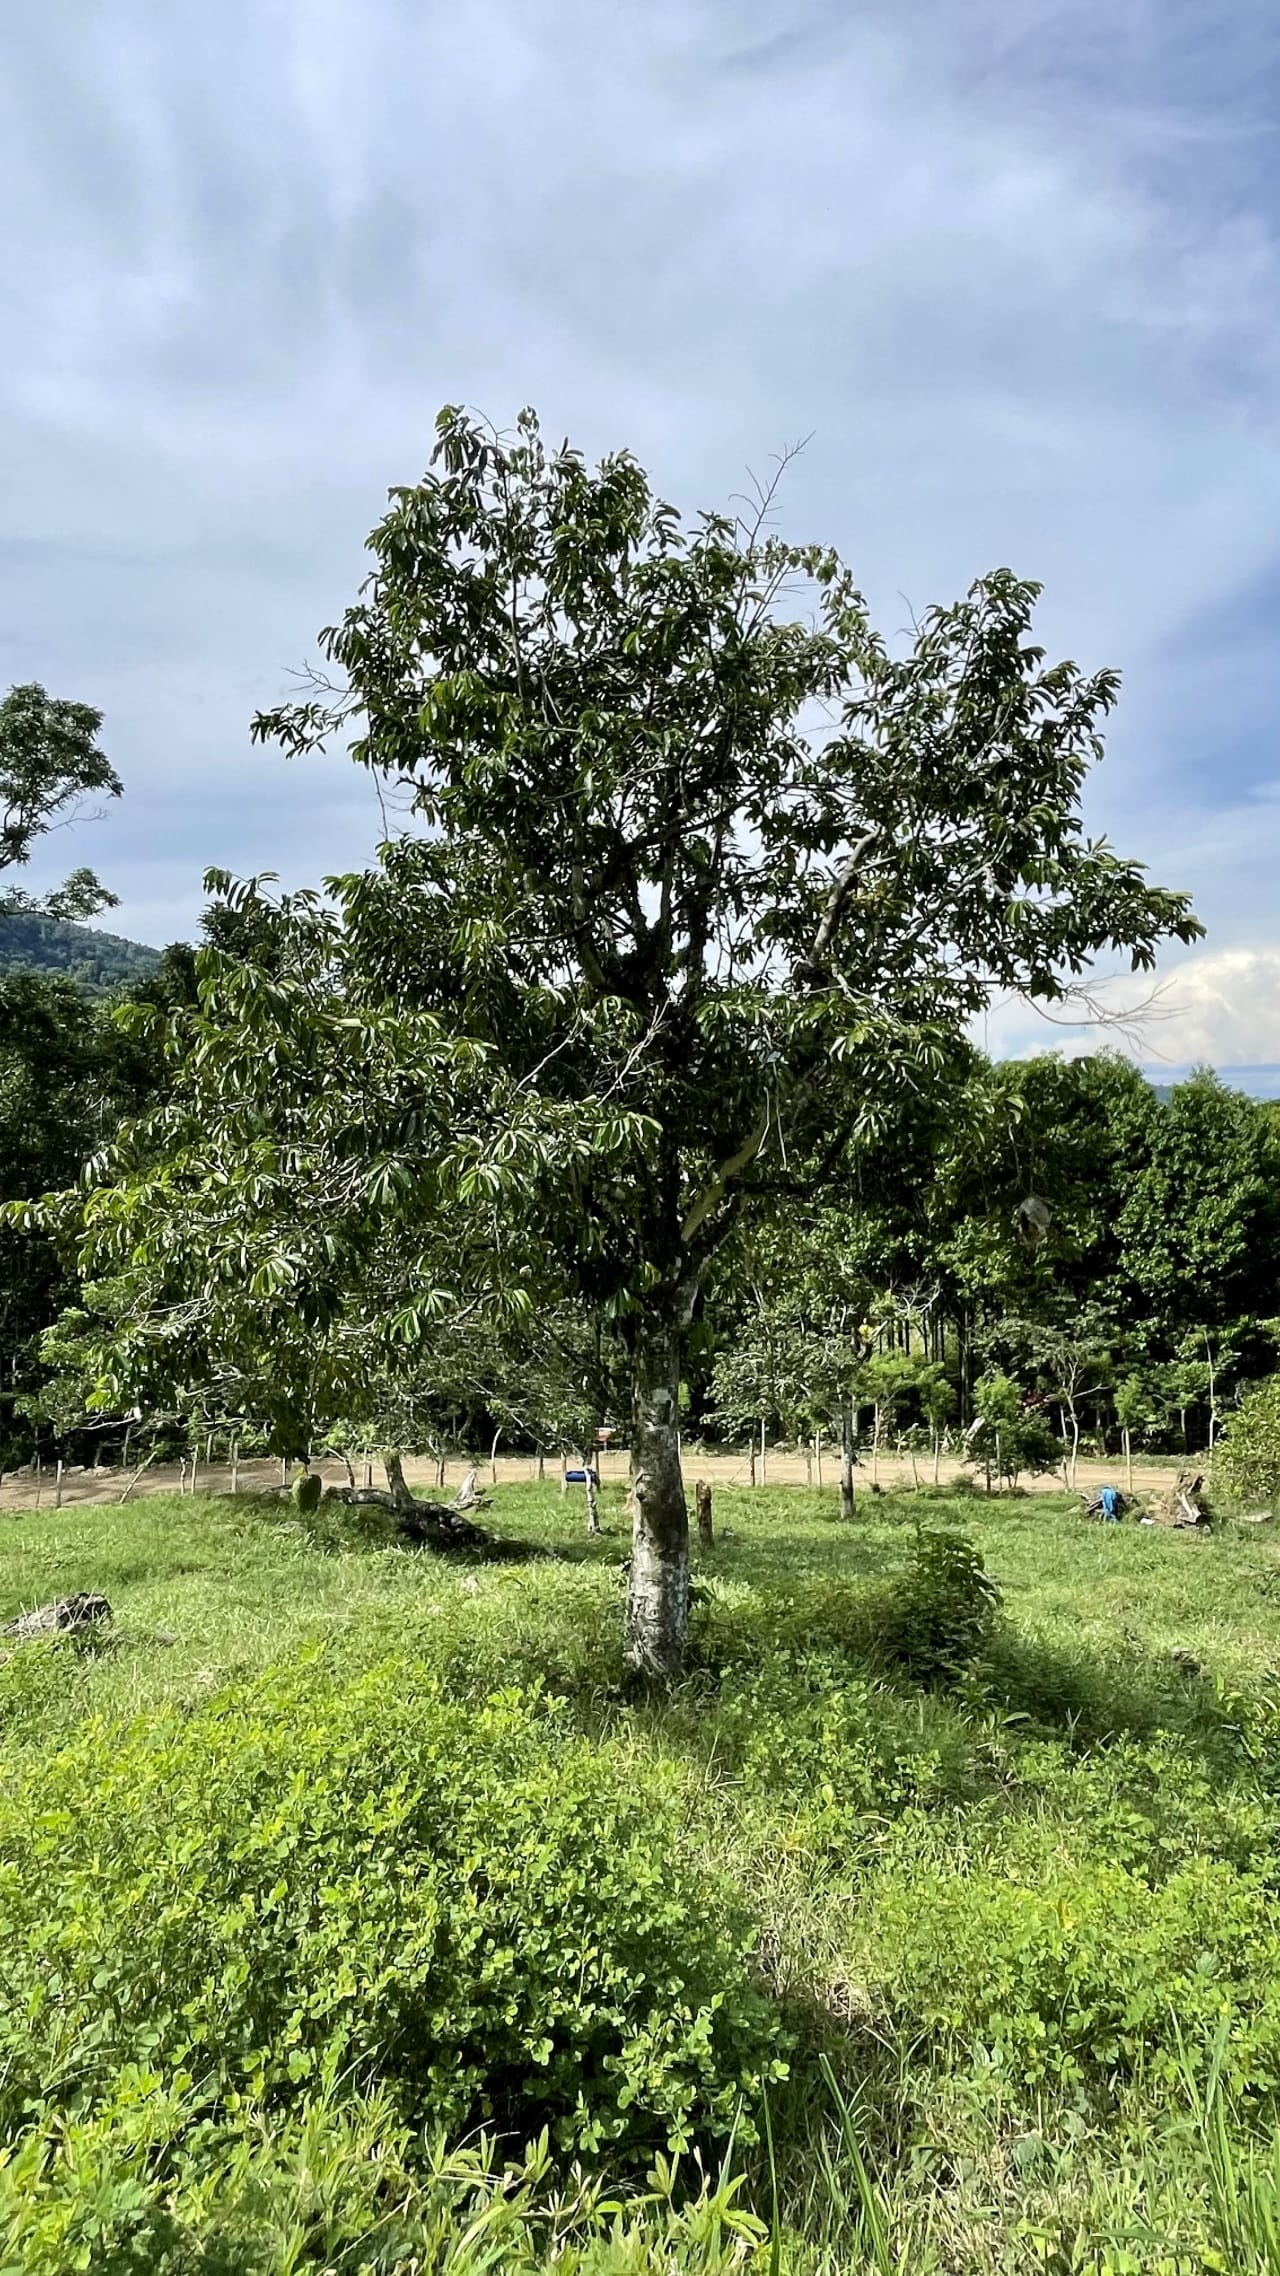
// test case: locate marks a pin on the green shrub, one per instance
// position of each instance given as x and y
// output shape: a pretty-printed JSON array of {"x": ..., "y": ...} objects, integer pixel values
[
  {"x": 305, "y": 1883},
  {"x": 1246, "y": 1461},
  {"x": 1085, "y": 1976},
  {"x": 941, "y": 1614}
]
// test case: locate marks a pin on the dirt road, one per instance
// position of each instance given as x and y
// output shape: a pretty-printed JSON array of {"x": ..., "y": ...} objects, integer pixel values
[{"x": 21, "y": 1490}]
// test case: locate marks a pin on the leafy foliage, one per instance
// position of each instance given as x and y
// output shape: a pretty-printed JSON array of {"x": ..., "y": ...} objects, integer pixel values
[
  {"x": 49, "y": 763},
  {"x": 943, "y": 1613},
  {"x": 1246, "y": 1464},
  {"x": 308, "y": 1884}
]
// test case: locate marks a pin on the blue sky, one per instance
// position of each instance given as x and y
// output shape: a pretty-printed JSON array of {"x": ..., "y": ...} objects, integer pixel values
[{"x": 1016, "y": 271}]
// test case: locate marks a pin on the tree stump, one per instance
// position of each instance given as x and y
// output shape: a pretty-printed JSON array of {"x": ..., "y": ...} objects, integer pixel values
[{"x": 702, "y": 1496}]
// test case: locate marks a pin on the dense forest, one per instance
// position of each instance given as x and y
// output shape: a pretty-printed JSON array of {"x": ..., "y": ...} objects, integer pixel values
[
  {"x": 103, "y": 962},
  {"x": 1107, "y": 1258}
]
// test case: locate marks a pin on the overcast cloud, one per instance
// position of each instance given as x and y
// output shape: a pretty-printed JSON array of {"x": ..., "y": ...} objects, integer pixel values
[{"x": 1015, "y": 270}]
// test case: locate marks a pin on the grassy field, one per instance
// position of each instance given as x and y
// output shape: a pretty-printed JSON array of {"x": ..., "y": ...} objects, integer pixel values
[{"x": 999, "y": 1942}]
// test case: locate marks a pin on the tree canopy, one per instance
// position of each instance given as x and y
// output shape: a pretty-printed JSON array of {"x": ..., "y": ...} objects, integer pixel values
[{"x": 50, "y": 763}]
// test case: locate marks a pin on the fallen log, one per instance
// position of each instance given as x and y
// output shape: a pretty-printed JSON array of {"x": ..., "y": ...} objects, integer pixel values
[
  {"x": 431, "y": 1525},
  {"x": 59, "y": 1617}
]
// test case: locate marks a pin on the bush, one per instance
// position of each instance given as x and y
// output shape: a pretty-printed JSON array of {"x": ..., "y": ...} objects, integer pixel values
[
  {"x": 941, "y": 1615},
  {"x": 1083, "y": 1976},
  {"x": 1246, "y": 1462},
  {"x": 303, "y": 1884}
]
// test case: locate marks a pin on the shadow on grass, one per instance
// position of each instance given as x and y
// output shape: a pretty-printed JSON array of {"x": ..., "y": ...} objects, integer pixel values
[{"x": 1091, "y": 1694}]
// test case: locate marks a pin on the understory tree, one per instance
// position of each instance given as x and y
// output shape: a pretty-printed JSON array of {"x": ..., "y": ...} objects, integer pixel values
[{"x": 310, "y": 1227}]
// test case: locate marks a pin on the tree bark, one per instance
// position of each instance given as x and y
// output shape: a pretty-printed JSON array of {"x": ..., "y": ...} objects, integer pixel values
[
  {"x": 400, "y": 1494},
  {"x": 846, "y": 1459},
  {"x": 702, "y": 1496},
  {"x": 658, "y": 1586}
]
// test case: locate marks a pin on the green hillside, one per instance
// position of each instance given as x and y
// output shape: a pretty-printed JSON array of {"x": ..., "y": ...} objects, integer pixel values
[{"x": 97, "y": 960}]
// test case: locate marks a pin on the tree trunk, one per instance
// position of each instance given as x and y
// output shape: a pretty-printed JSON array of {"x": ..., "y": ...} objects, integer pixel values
[
  {"x": 764, "y": 1459},
  {"x": 937, "y": 1456},
  {"x": 702, "y": 1496},
  {"x": 752, "y": 1460},
  {"x": 1128, "y": 1457},
  {"x": 875, "y": 1447},
  {"x": 493, "y": 1459},
  {"x": 846, "y": 1460},
  {"x": 400, "y": 1494},
  {"x": 658, "y": 1585},
  {"x": 817, "y": 1459},
  {"x": 593, "y": 1497},
  {"x": 1075, "y": 1446}
]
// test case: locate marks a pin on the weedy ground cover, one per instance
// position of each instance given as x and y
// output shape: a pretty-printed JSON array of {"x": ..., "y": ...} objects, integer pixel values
[{"x": 357, "y": 1917}]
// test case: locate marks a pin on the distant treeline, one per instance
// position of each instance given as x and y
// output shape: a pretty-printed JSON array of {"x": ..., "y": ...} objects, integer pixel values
[{"x": 99, "y": 961}]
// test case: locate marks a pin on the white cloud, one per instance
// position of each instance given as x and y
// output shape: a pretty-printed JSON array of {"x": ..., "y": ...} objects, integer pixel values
[{"x": 1219, "y": 1009}]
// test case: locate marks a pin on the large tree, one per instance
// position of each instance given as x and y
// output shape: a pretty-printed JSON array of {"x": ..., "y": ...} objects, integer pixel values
[{"x": 698, "y": 842}]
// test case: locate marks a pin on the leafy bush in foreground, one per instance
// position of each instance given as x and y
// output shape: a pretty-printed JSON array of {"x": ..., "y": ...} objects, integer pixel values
[
  {"x": 943, "y": 1612},
  {"x": 307, "y": 1884},
  {"x": 347, "y": 2188}
]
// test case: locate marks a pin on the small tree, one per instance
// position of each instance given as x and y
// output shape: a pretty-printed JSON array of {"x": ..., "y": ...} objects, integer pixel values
[
  {"x": 1010, "y": 1439},
  {"x": 938, "y": 1405},
  {"x": 885, "y": 1383},
  {"x": 1072, "y": 1363},
  {"x": 1135, "y": 1410}
]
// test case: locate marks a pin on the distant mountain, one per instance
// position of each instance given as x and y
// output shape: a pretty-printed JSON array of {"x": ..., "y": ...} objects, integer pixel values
[
  {"x": 98, "y": 961},
  {"x": 1256, "y": 1082}
]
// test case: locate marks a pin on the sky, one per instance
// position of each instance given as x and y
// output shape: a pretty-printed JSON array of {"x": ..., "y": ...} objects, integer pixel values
[{"x": 1013, "y": 271}]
